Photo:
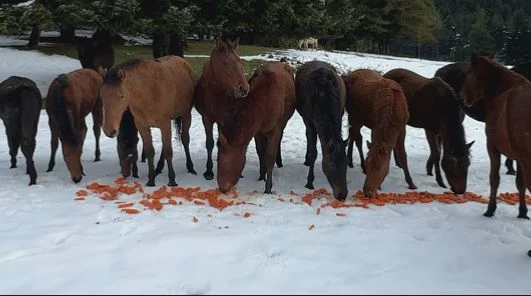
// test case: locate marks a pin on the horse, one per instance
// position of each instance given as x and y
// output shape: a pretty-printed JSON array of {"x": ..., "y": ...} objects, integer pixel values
[
  {"x": 433, "y": 106},
  {"x": 20, "y": 109},
  {"x": 454, "y": 74},
  {"x": 262, "y": 115},
  {"x": 222, "y": 85},
  {"x": 156, "y": 91},
  {"x": 306, "y": 42},
  {"x": 379, "y": 104},
  {"x": 507, "y": 97},
  {"x": 126, "y": 144},
  {"x": 320, "y": 101},
  {"x": 93, "y": 54},
  {"x": 71, "y": 97}
]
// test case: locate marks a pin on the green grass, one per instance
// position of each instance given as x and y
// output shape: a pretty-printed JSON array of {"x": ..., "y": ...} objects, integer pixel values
[{"x": 123, "y": 53}]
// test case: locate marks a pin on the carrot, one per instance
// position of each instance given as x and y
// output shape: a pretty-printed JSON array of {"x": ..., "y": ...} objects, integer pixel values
[
  {"x": 199, "y": 203},
  {"x": 341, "y": 214},
  {"x": 311, "y": 227},
  {"x": 318, "y": 212},
  {"x": 195, "y": 219},
  {"x": 79, "y": 198},
  {"x": 130, "y": 211},
  {"x": 125, "y": 205},
  {"x": 247, "y": 215}
]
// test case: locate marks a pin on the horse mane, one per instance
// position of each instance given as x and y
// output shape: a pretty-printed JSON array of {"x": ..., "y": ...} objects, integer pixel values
[
  {"x": 497, "y": 78},
  {"x": 523, "y": 69},
  {"x": 447, "y": 105},
  {"x": 326, "y": 106},
  {"x": 59, "y": 107},
  {"x": 111, "y": 78}
]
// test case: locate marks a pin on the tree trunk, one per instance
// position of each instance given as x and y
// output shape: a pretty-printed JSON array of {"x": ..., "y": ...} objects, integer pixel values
[
  {"x": 34, "y": 37},
  {"x": 160, "y": 44},
  {"x": 418, "y": 50},
  {"x": 176, "y": 46},
  {"x": 68, "y": 33}
]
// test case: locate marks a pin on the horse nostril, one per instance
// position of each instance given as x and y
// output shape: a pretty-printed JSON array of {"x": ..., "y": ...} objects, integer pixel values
[
  {"x": 112, "y": 133},
  {"x": 243, "y": 90},
  {"x": 76, "y": 180},
  {"x": 341, "y": 196}
]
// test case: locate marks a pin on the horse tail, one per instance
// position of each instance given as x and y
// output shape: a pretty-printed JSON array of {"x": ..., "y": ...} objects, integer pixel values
[
  {"x": 61, "y": 114},
  {"x": 178, "y": 127},
  {"x": 31, "y": 108},
  {"x": 325, "y": 97}
]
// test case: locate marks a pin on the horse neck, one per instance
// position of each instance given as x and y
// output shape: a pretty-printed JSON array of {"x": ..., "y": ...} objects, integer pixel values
[
  {"x": 242, "y": 122},
  {"x": 498, "y": 80},
  {"x": 454, "y": 132}
]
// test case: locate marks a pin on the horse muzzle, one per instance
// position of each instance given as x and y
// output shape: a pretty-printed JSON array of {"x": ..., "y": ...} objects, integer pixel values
[
  {"x": 111, "y": 133},
  {"x": 226, "y": 187},
  {"x": 241, "y": 91}
]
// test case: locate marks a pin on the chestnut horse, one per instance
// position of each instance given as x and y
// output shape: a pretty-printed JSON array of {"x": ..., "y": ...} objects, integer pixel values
[
  {"x": 71, "y": 97},
  {"x": 263, "y": 115},
  {"x": 222, "y": 82},
  {"x": 507, "y": 97},
  {"x": 454, "y": 74},
  {"x": 379, "y": 104},
  {"x": 155, "y": 91},
  {"x": 320, "y": 101},
  {"x": 20, "y": 109},
  {"x": 433, "y": 106}
]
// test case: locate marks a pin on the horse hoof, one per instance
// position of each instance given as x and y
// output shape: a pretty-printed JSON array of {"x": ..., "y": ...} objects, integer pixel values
[
  {"x": 33, "y": 182},
  {"x": 241, "y": 176},
  {"x": 412, "y": 187},
  {"x": 513, "y": 173},
  {"x": 192, "y": 171},
  {"x": 158, "y": 172},
  {"x": 261, "y": 178},
  {"x": 267, "y": 191},
  {"x": 309, "y": 186},
  {"x": 529, "y": 253},
  {"x": 488, "y": 214},
  {"x": 150, "y": 183},
  {"x": 523, "y": 216},
  {"x": 97, "y": 159},
  {"x": 429, "y": 173},
  {"x": 135, "y": 176},
  {"x": 307, "y": 163},
  {"x": 13, "y": 166},
  {"x": 49, "y": 170},
  {"x": 350, "y": 165},
  {"x": 208, "y": 175},
  {"x": 172, "y": 184}
]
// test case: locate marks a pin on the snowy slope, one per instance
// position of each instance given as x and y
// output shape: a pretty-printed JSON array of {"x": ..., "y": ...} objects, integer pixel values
[{"x": 50, "y": 243}]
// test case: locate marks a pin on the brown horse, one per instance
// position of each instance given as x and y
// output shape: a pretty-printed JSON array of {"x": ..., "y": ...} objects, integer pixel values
[
  {"x": 20, "y": 109},
  {"x": 507, "y": 97},
  {"x": 155, "y": 91},
  {"x": 71, "y": 97},
  {"x": 433, "y": 106},
  {"x": 321, "y": 98},
  {"x": 263, "y": 115},
  {"x": 379, "y": 104}
]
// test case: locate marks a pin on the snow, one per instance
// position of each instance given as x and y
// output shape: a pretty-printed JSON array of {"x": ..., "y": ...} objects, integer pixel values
[{"x": 53, "y": 244}]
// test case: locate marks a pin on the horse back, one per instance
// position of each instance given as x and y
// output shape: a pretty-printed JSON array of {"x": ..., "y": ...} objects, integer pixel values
[
  {"x": 82, "y": 91},
  {"x": 181, "y": 80},
  {"x": 19, "y": 93}
]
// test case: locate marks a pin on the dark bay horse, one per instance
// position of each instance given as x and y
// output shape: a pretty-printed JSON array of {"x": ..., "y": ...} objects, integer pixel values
[
  {"x": 507, "y": 97},
  {"x": 433, "y": 106},
  {"x": 93, "y": 53},
  {"x": 221, "y": 85},
  {"x": 455, "y": 73},
  {"x": 127, "y": 146},
  {"x": 320, "y": 93},
  {"x": 263, "y": 115},
  {"x": 156, "y": 91},
  {"x": 379, "y": 104},
  {"x": 71, "y": 97},
  {"x": 20, "y": 110}
]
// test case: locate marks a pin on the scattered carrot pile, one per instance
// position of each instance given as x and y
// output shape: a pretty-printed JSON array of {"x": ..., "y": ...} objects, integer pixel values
[{"x": 172, "y": 196}]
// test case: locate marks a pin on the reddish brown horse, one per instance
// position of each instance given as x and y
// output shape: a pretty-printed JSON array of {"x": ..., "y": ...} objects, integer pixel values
[
  {"x": 263, "y": 115},
  {"x": 222, "y": 82},
  {"x": 71, "y": 97},
  {"x": 507, "y": 97},
  {"x": 321, "y": 98},
  {"x": 156, "y": 91},
  {"x": 379, "y": 104},
  {"x": 433, "y": 106},
  {"x": 20, "y": 109}
]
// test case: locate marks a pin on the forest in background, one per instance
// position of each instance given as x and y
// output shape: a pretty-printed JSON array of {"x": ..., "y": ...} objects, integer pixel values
[{"x": 448, "y": 30}]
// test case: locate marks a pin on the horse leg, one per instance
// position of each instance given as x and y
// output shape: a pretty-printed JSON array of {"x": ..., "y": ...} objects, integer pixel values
[
  {"x": 494, "y": 177},
  {"x": 209, "y": 174},
  {"x": 520, "y": 184},
  {"x": 143, "y": 156},
  {"x": 311, "y": 148},
  {"x": 97, "y": 118},
  {"x": 260, "y": 143},
  {"x": 431, "y": 142},
  {"x": 134, "y": 169},
  {"x": 272, "y": 143},
  {"x": 145, "y": 133},
  {"x": 186, "y": 122},
  {"x": 401, "y": 157},
  {"x": 54, "y": 142},
  {"x": 29, "y": 123},
  {"x": 83, "y": 136},
  {"x": 279, "y": 156},
  {"x": 160, "y": 163},
  {"x": 358, "y": 138},
  {"x": 350, "y": 149},
  {"x": 509, "y": 166},
  {"x": 168, "y": 151},
  {"x": 435, "y": 155},
  {"x": 13, "y": 134}
]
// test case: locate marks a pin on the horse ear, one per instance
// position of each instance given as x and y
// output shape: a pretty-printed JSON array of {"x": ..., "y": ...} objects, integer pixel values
[
  {"x": 102, "y": 71},
  {"x": 236, "y": 43},
  {"x": 470, "y": 144},
  {"x": 368, "y": 144},
  {"x": 121, "y": 74},
  {"x": 220, "y": 44},
  {"x": 493, "y": 55}
]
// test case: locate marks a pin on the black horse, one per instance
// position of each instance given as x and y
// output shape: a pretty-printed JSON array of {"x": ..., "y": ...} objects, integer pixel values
[
  {"x": 321, "y": 97},
  {"x": 94, "y": 53},
  {"x": 454, "y": 74},
  {"x": 20, "y": 109}
]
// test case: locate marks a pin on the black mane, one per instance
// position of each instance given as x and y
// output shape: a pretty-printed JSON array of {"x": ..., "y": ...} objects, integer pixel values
[{"x": 112, "y": 78}]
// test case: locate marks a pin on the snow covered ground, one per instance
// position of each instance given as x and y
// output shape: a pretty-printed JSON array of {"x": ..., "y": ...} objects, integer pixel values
[{"x": 50, "y": 243}]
